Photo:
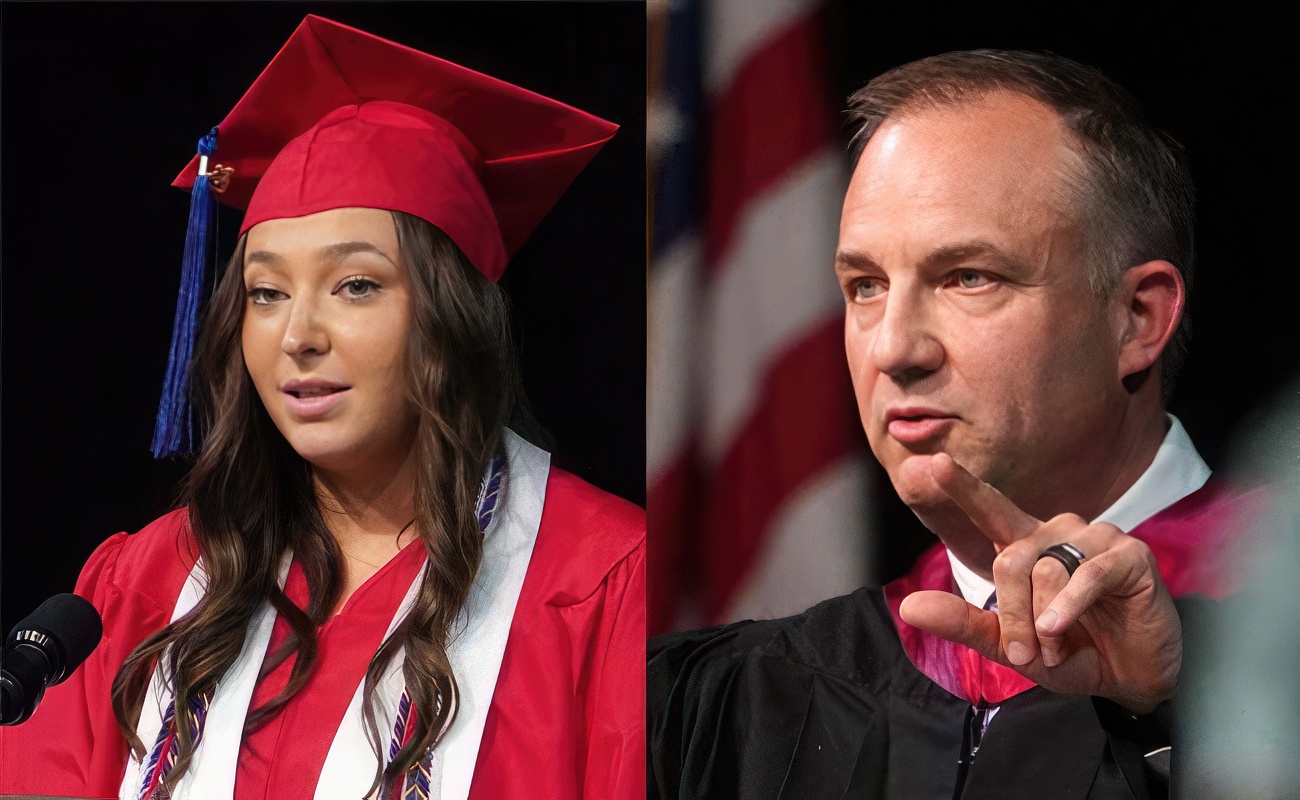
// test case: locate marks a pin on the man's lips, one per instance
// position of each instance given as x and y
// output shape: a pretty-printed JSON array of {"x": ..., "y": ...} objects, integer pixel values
[{"x": 917, "y": 425}]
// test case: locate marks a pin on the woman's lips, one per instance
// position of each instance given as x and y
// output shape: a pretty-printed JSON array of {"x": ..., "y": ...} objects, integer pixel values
[
  {"x": 314, "y": 402},
  {"x": 920, "y": 428}
]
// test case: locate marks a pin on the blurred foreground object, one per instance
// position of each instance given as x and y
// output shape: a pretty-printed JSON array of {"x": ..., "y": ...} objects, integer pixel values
[{"x": 1241, "y": 688}]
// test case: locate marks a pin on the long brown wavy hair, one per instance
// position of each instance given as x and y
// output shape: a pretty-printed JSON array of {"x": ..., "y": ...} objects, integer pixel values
[{"x": 251, "y": 498}]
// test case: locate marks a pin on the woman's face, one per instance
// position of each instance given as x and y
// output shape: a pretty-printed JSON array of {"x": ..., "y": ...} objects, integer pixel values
[{"x": 326, "y": 318}]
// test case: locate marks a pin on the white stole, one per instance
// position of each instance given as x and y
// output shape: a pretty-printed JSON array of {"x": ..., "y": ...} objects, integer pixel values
[{"x": 476, "y": 649}]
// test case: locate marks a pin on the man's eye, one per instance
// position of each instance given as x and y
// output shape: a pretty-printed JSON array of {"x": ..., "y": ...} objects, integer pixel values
[
  {"x": 867, "y": 288},
  {"x": 356, "y": 288},
  {"x": 261, "y": 295},
  {"x": 972, "y": 279}
]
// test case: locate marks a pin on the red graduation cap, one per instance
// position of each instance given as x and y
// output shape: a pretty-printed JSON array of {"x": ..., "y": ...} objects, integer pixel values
[{"x": 344, "y": 118}]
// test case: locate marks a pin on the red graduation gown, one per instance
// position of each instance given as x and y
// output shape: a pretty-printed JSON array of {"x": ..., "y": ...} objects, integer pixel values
[{"x": 567, "y": 714}]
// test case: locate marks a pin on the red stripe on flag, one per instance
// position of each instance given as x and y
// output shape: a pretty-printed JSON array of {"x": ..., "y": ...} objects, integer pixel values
[
  {"x": 672, "y": 531},
  {"x": 806, "y": 421},
  {"x": 770, "y": 119}
]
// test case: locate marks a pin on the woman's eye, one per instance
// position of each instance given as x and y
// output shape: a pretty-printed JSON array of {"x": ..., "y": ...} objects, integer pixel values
[
  {"x": 972, "y": 279},
  {"x": 356, "y": 288},
  {"x": 260, "y": 295}
]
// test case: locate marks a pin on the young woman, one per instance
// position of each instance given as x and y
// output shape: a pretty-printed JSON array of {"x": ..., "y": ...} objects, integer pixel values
[{"x": 377, "y": 588}]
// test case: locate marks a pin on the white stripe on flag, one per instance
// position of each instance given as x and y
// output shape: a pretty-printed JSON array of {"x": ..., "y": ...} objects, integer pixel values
[
  {"x": 674, "y": 318},
  {"x": 817, "y": 548},
  {"x": 736, "y": 30},
  {"x": 777, "y": 282}
]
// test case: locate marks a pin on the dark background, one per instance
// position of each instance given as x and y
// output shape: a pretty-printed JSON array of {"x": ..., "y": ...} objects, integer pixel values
[
  {"x": 1220, "y": 78},
  {"x": 101, "y": 104}
]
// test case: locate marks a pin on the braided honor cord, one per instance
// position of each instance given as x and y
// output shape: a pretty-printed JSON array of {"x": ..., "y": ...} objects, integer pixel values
[{"x": 415, "y": 786}]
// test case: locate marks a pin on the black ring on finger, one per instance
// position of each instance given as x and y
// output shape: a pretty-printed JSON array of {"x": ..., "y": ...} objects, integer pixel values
[{"x": 1069, "y": 555}]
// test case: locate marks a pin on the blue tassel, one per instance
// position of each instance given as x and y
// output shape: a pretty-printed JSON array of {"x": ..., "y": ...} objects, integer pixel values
[{"x": 174, "y": 431}]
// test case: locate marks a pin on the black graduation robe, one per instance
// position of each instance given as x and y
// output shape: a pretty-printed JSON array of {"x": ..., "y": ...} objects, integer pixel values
[{"x": 831, "y": 704}]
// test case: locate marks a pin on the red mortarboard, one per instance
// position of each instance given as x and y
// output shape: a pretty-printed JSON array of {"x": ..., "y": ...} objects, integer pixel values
[{"x": 343, "y": 118}]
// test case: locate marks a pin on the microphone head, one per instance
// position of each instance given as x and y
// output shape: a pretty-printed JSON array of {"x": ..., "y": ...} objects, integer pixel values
[{"x": 65, "y": 628}]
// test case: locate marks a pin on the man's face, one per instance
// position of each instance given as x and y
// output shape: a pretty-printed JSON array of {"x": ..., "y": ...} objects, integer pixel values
[{"x": 970, "y": 325}]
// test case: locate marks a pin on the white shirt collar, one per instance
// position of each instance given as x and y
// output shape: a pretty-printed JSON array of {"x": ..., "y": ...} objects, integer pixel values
[{"x": 1177, "y": 471}]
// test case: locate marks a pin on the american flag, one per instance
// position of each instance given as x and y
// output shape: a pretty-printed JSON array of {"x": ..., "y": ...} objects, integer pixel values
[{"x": 756, "y": 466}]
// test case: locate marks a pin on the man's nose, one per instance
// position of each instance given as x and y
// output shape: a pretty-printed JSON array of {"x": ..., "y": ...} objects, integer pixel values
[
  {"x": 305, "y": 332},
  {"x": 906, "y": 345}
]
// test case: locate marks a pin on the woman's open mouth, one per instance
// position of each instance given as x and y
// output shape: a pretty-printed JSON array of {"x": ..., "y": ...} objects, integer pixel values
[{"x": 308, "y": 399}]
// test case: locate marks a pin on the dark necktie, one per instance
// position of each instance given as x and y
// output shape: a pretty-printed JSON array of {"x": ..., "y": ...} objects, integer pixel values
[{"x": 977, "y": 722}]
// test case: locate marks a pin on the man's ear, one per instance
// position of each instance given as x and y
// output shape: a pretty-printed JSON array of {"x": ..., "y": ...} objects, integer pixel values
[{"x": 1149, "y": 303}]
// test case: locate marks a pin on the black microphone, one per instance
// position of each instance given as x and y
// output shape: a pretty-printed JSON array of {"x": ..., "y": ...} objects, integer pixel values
[{"x": 44, "y": 649}]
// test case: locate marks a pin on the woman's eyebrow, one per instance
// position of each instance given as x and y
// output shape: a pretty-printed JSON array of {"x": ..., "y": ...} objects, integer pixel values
[
  {"x": 331, "y": 254},
  {"x": 335, "y": 253},
  {"x": 262, "y": 257}
]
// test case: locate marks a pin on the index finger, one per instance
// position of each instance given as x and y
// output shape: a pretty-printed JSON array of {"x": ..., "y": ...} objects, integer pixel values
[{"x": 993, "y": 513}]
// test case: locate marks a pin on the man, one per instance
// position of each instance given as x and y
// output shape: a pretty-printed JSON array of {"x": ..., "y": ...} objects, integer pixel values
[{"x": 1014, "y": 252}]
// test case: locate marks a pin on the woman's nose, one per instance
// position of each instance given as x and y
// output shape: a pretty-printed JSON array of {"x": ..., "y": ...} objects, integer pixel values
[{"x": 305, "y": 332}]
